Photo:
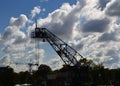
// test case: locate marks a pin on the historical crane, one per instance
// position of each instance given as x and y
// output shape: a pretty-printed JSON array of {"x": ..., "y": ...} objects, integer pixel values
[{"x": 66, "y": 52}]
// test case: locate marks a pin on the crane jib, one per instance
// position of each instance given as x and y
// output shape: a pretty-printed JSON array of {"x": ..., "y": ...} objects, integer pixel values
[{"x": 66, "y": 52}]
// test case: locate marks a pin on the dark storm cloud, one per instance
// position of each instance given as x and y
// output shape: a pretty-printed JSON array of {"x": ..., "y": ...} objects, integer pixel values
[
  {"x": 114, "y": 9},
  {"x": 96, "y": 25},
  {"x": 103, "y": 3}
]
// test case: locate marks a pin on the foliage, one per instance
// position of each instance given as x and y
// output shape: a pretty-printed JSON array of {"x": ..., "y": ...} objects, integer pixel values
[{"x": 93, "y": 73}]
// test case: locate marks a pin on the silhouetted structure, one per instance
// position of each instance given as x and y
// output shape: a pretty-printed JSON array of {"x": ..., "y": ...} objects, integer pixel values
[
  {"x": 66, "y": 76},
  {"x": 66, "y": 53},
  {"x": 7, "y": 76},
  {"x": 69, "y": 76}
]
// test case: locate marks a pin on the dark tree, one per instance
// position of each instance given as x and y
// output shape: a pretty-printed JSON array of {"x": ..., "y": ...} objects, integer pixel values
[{"x": 7, "y": 76}]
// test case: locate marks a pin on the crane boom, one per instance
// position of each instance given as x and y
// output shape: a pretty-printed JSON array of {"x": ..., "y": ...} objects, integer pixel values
[{"x": 66, "y": 52}]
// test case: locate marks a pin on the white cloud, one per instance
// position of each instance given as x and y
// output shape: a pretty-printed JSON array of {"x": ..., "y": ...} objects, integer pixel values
[
  {"x": 19, "y": 22},
  {"x": 36, "y": 10},
  {"x": 91, "y": 11},
  {"x": 113, "y": 8},
  {"x": 14, "y": 32},
  {"x": 13, "y": 35},
  {"x": 63, "y": 20},
  {"x": 55, "y": 63},
  {"x": 86, "y": 18},
  {"x": 36, "y": 55},
  {"x": 80, "y": 22},
  {"x": 13, "y": 38},
  {"x": 5, "y": 61}
]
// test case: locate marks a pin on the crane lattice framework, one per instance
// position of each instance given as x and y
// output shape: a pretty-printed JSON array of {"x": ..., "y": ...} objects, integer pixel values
[{"x": 66, "y": 52}]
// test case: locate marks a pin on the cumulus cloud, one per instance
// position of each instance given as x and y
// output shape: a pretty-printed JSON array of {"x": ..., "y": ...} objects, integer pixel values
[
  {"x": 90, "y": 11},
  {"x": 113, "y": 8},
  {"x": 13, "y": 34},
  {"x": 113, "y": 58},
  {"x": 8, "y": 32},
  {"x": 96, "y": 25},
  {"x": 114, "y": 54},
  {"x": 63, "y": 20},
  {"x": 36, "y": 10},
  {"x": 5, "y": 60},
  {"x": 14, "y": 39},
  {"x": 88, "y": 25},
  {"x": 111, "y": 35},
  {"x": 106, "y": 37},
  {"x": 55, "y": 63},
  {"x": 13, "y": 31},
  {"x": 37, "y": 54},
  {"x": 19, "y": 22},
  {"x": 103, "y": 3}
]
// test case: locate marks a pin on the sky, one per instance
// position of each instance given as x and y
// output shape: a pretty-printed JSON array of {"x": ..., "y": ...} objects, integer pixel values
[{"x": 90, "y": 26}]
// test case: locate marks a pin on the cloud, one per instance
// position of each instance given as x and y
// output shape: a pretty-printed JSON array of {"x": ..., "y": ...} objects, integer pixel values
[
  {"x": 63, "y": 20},
  {"x": 13, "y": 31},
  {"x": 113, "y": 58},
  {"x": 38, "y": 55},
  {"x": 103, "y": 3},
  {"x": 90, "y": 10},
  {"x": 106, "y": 37},
  {"x": 13, "y": 35},
  {"x": 19, "y": 22},
  {"x": 113, "y": 8},
  {"x": 55, "y": 63},
  {"x": 20, "y": 40},
  {"x": 111, "y": 35},
  {"x": 97, "y": 33},
  {"x": 79, "y": 46},
  {"x": 5, "y": 61},
  {"x": 97, "y": 25},
  {"x": 87, "y": 28},
  {"x": 36, "y": 10},
  {"x": 8, "y": 32},
  {"x": 14, "y": 40}
]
